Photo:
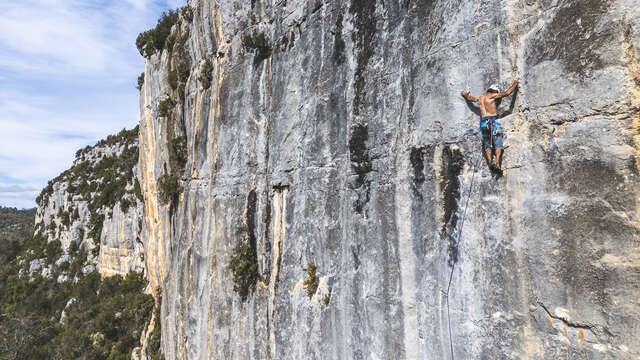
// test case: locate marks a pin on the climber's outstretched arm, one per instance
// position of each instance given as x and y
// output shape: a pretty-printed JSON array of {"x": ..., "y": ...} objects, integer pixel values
[
  {"x": 468, "y": 96},
  {"x": 510, "y": 90}
]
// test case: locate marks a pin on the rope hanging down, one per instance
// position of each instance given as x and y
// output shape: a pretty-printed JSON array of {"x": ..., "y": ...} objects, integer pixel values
[{"x": 464, "y": 216}]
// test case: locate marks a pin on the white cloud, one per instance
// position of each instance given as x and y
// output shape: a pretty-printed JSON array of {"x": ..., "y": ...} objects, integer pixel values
[{"x": 68, "y": 70}]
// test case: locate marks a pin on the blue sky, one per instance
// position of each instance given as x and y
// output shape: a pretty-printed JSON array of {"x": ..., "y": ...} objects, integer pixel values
[{"x": 68, "y": 70}]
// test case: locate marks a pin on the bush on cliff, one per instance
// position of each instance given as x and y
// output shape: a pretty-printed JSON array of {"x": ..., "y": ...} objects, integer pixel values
[
  {"x": 178, "y": 154},
  {"x": 154, "y": 348},
  {"x": 169, "y": 186},
  {"x": 259, "y": 43},
  {"x": 140, "y": 82},
  {"x": 206, "y": 75},
  {"x": 165, "y": 106},
  {"x": 244, "y": 266},
  {"x": 311, "y": 282},
  {"x": 153, "y": 40},
  {"x": 187, "y": 13}
]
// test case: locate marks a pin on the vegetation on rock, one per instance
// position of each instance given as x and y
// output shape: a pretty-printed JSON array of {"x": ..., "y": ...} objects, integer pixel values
[
  {"x": 206, "y": 75},
  {"x": 169, "y": 187},
  {"x": 327, "y": 298},
  {"x": 187, "y": 13},
  {"x": 165, "y": 106},
  {"x": 311, "y": 282},
  {"x": 65, "y": 313},
  {"x": 155, "y": 39},
  {"x": 259, "y": 43},
  {"x": 244, "y": 266},
  {"x": 154, "y": 348},
  {"x": 140, "y": 81},
  {"x": 178, "y": 153},
  {"x": 15, "y": 226},
  {"x": 100, "y": 180}
]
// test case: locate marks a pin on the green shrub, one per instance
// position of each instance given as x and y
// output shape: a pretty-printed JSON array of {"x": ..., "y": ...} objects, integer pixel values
[
  {"x": 258, "y": 43},
  {"x": 153, "y": 40},
  {"x": 187, "y": 13},
  {"x": 125, "y": 137},
  {"x": 165, "y": 106},
  {"x": 182, "y": 42},
  {"x": 154, "y": 348},
  {"x": 206, "y": 75},
  {"x": 311, "y": 282},
  {"x": 45, "y": 193},
  {"x": 144, "y": 43},
  {"x": 169, "y": 187},
  {"x": 171, "y": 40},
  {"x": 178, "y": 154},
  {"x": 181, "y": 89},
  {"x": 244, "y": 266},
  {"x": 327, "y": 298},
  {"x": 76, "y": 215},
  {"x": 73, "y": 248},
  {"x": 66, "y": 218},
  {"x": 95, "y": 226},
  {"x": 183, "y": 71},
  {"x": 125, "y": 204},
  {"x": 140, "y": 83},
  {"x": 53, "y": 251}
]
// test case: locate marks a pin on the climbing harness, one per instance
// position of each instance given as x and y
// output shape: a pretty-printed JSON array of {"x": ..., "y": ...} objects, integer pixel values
[{"x": 464, "y": 216}]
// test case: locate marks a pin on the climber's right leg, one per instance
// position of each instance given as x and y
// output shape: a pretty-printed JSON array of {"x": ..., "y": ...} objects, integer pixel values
[{"x": 497, "y": 142}]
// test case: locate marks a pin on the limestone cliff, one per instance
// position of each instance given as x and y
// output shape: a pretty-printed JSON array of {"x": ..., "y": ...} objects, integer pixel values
[
  {"x": 333, "y": 134},
  {"x": 97, "y": 204}
]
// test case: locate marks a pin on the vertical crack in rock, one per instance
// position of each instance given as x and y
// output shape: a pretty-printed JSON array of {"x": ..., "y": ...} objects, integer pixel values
[
  {"x": 279, "y": 201},
  {"x": 267, "y": 154},
  {"x": 194, "y": 174},
  {"x": 452, "y": 165},
  {"x": 267, "y": 243},
  {"x": 218, "y": 113},
  {"x": 633, "y": 66},
  {"x": 361, "y": 164},
  {"x": 251, "y": 218},
  {"x": 339, "y": 44},
  {"x": 417, "y": 163},
  {"x": 363, "y": 38}
]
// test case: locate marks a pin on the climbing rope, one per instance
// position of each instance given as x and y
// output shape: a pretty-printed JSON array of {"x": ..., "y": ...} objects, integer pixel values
[{"x": 464, "y": 216}]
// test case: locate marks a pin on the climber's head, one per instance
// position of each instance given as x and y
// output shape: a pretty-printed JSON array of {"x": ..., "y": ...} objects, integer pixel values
[{"x": 493, "y": 89}]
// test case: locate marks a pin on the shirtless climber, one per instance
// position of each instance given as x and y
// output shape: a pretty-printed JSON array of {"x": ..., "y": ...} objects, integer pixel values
[{"x": 491, "y": 140}]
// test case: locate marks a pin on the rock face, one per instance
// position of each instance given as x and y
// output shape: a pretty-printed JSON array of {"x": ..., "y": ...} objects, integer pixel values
[
  {"x": 333, "y": 133},
  {"x": 97, "y": 204}
]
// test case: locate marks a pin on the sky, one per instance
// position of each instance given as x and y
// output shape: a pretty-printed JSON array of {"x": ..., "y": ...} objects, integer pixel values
[{"x": 68, "y": 71}]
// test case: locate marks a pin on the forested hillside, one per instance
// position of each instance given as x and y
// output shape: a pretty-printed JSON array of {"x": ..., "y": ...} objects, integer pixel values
[{"x": 54, "y": 305}]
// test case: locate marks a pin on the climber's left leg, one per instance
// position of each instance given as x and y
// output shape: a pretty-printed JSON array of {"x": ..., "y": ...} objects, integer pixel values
[
  {"x": 497, "y": 142},
  {"x": 499, "y": 159}
]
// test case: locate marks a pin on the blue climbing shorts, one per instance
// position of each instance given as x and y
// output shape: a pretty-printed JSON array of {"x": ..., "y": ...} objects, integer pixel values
[{"x": 486, "y": 135}]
